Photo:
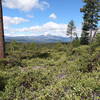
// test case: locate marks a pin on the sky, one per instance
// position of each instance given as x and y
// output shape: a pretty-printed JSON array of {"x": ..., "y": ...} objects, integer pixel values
[{"x": 41, "y": 17}]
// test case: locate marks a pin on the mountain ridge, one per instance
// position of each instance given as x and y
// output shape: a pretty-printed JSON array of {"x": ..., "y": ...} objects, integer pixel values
[{"x": 38, "y": 39}]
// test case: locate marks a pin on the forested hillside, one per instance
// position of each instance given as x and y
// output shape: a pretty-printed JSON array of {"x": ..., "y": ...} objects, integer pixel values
[{"x": 57, "y": 71}]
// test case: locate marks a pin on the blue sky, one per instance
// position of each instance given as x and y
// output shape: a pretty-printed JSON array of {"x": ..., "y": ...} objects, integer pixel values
[{"x": 40, "y": 17}]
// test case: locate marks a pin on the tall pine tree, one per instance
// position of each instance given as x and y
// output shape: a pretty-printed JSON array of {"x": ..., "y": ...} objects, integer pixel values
[
  {"x": 91, "y": 12},
  {"x": 71, "y": 29}
]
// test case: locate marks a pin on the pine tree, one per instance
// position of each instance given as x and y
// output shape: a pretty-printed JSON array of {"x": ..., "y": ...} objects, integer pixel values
[
  {"x": 71, "y": 29},
  {"x": 84, "y": 38},
  {"x": 91, "y": 11},
  {"x": 1, "y": 33}
]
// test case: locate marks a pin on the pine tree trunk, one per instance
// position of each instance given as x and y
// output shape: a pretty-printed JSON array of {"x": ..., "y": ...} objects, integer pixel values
[
  {"x": 91, "y": 35},
  {"x": 2, "y": 49},
  {"x": 94, "y": 34}
]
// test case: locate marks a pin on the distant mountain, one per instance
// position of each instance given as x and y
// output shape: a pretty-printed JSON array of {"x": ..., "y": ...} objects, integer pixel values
[{"x": 38, "y": 39}]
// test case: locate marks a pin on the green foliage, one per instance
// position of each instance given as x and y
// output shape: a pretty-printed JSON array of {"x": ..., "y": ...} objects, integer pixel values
[
  {"x": 84, "y": 40},
  {"x": 50, "y": 71},
  {"x": 31, "y": 80},
  {"x": 76, "y": 43},
  {"x": 96, "y": 41}
]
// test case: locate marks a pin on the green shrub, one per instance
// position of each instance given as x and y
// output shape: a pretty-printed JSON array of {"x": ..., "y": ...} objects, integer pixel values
[{"x": 57, "y": 71}]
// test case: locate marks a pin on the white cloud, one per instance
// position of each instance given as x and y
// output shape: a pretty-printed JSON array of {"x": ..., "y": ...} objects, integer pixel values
[
  {"x": 49, "y": 28},
  {"x": 45, "y": 29},
  {"x": 30, "y": 16},
  {"x": 13, "y": 20},
  {"x": 53, "y": 16},
  {"x": 25, "y": 5}
]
